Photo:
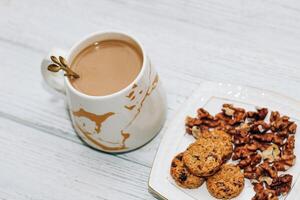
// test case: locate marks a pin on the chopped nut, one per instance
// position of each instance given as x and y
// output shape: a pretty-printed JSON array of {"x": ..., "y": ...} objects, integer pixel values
[
  {"x": 288, "y": 148},
  {"x": 251, "y": 160},
  {"x": 190, "y": 122},
  {"x": 258, "y": 187},
  {"x": 210, "y": 123},
  {"x": 262, "y": 113},
  {"x": 241, "y": 152},
  {"x": 266, "y": 179},
  {"x": 280, "y": 124},
  {"x": 255, "y": 159},
  {"x": 188, "y": 130},
  {"x": 271, "y": 153},
  {"x": 252, "y": 172},
  {"x": 283, "y": 133},
  {"x": 281, "y": 184},
  {"x": 267, "y": 137},
  {"x": 259, "y": 115},
  {"x": 196, "y": 132},
  {"x": 202, "y": 113},
  {"x": 292, "y": 128},
  {"x": 254, "y": 145},
  {"x": 228, "y": 111},
  {"x": 285, "y": 162},
  {"x": 265, "y": 195},
  {"x": 244, "y": 162},
  {"x": 259, "y": 127},
  {"x": 270, "y": 170},
  {"x": 277, "y": 139},
  {"x": 238, "y": 139},
  {"x": 274, "y": 116}
]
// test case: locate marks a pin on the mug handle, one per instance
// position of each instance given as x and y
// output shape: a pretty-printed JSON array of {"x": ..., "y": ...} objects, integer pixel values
[{"x": 54, "y": 79}]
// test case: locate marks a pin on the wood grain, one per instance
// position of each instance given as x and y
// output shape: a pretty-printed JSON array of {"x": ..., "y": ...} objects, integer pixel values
[
  {"x": 35, "y": 167},
  {"x": 253, "y": 43}
]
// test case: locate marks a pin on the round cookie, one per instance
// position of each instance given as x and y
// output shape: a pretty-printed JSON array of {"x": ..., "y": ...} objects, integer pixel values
[
  {"x": 204, "y": 157},
  {"x": 182, "y": 176},
  {"x": 227, "y": 183},
  {"x": 223, "y": 139}
]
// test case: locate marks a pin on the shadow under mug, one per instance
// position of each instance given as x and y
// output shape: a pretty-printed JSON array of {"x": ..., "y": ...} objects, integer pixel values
[{"x": 115, "y": 122}]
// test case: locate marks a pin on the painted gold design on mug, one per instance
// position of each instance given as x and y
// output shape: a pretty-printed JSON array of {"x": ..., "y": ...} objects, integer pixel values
[
  {"x": 148, "y": 93},
  {"x": 103, "y": 146},
  {"x": 98, "y": 119},
  {"x": 132, "y": 98},
  {"x": 134, "y": 86},
  {"x": 125, "y": 137},
  {"x": 130, "y": 94},
  {"x": 130, "y": 107}
]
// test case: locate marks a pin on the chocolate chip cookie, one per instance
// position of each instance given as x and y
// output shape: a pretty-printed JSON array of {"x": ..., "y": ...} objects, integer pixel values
[
  {"x": 182, "y": 175},
  {"x": 227, "y": 183},
  {"x": 204, "y": 157}
]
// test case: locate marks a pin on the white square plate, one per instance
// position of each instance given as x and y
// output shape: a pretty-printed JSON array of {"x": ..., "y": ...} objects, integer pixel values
[{"x": 212, "y": 96}]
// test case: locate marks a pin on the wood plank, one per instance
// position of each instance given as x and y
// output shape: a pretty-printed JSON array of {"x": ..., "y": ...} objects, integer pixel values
[
  {"x": 254, "y": 43},
  {"x": 35, "y": 165}
]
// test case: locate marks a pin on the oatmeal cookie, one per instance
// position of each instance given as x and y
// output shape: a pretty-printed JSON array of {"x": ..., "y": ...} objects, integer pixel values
[
  {"x": 222, "y": 138},
  {"x": 182, "y": 175},
  {"x": 204, "y": 157},
  {"x": 227, "y": 183}
]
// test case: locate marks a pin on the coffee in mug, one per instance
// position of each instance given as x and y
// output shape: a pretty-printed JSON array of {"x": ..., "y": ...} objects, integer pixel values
[{"x": 106, "y": 67}]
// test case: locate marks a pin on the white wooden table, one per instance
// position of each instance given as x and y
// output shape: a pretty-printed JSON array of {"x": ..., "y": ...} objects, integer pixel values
[{"x": 254, "y": 43}]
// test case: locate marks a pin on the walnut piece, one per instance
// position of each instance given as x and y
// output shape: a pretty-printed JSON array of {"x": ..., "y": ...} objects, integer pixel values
[
  {"x": 272, "y": 153},
  {"x": 282, "y": 184}
]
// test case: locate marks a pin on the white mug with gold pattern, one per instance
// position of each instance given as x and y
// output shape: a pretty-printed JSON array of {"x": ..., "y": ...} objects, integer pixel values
[{"x": 116, "y": 122}]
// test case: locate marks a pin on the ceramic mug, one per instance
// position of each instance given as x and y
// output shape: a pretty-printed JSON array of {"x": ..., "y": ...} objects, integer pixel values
[{"x": 116, "y": 122}]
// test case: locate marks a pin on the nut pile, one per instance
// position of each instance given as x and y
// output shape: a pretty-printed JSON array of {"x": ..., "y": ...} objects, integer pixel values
[{"x": 262, "y": 148}]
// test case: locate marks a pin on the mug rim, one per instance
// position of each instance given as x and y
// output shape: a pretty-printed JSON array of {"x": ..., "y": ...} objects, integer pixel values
[{"x": 129, "y": 86}]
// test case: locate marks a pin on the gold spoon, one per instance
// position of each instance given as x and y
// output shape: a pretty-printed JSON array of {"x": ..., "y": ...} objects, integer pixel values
[{"x": 61, "y": 64}]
